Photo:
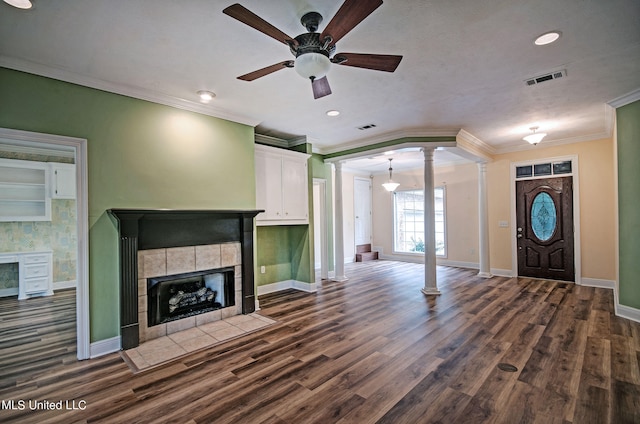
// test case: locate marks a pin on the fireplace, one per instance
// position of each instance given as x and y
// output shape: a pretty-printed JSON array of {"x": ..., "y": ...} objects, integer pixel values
[
  {"x": 181, "y": 296},
  {"x": 155, "y": 244}
]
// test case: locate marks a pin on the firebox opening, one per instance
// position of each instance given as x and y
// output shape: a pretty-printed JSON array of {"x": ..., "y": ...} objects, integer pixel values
[{"x": 179, "y": 296}]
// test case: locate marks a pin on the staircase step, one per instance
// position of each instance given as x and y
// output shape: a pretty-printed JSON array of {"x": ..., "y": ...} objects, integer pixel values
[
  {"x": 366, "y": 256},
  {"x": 362, "y": 248}
]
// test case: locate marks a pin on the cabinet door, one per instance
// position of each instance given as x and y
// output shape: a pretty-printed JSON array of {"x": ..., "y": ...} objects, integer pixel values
[
  {"x": 269, "y": 187},
  {"x": 64, "y": 181},
  {"x": 295, "y": 189}
]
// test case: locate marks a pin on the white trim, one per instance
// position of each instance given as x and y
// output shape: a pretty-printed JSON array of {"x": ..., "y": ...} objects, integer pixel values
[
  {"x": 9, "y": 292},
  {"x": 286, "y": 285},
  {"x": 104, "y": 347},
  {"x": 126, "y": 90},
  {"x": 627, "y": 312},
  {"x": 82, "y": 198},
  {"x": 61, "y": 285},
  {"x": 497, "y": 272},
  {"x": 625, "y": 99},
  {"x": 322, "y": 231},
  {"x": 458, "y": 264},
  {"x": 389, "y": 136},
  {"x": 597, "y": 282},
  {"x": 577, "y": 258}
]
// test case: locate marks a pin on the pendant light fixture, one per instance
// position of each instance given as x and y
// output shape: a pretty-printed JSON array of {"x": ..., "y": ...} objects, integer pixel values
[
  {"x": 390, "y": 185},
  {"x": 535, "y": 137}
]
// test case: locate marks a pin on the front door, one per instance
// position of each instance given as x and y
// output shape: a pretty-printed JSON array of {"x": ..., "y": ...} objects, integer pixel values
[{"x": 544, "y": 218}]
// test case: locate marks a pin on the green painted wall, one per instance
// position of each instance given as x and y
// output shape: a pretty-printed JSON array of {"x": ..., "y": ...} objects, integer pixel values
[
  {"x": 141, "y": 155},
  {"x": 628, "y": 128}
]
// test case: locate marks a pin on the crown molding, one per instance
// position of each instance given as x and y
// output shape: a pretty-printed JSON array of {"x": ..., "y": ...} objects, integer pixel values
[
  {"x": 625, "y": 99},
  {"x": 472, "y": 145},
  {"x": 270, "y": 141},
  {"x": 389, "y": 136},
  {"x": 123, "y": 89}
]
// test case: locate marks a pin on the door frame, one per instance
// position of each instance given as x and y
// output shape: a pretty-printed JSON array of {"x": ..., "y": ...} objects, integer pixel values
[
  {"x": 576, "y": 208},
  {"x": 82, "y": 225},
  {"x": 322, "y": 231}
]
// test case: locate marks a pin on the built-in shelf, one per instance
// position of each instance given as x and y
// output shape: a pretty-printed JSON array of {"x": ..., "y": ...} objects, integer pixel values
[{"x": 24, "y": 191}]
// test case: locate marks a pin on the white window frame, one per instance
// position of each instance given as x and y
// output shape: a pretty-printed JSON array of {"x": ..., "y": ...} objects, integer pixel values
[{"x": 444, "y": 225}]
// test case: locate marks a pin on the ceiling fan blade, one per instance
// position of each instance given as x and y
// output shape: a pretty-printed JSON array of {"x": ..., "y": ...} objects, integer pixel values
[
  {"x": 320, "y": 87},
  {"x": 377, "y": 62},
  {"x": 266, "y": 71},
  {"x": 350, "y": 14},
  {"x": 246, "y": 16}
]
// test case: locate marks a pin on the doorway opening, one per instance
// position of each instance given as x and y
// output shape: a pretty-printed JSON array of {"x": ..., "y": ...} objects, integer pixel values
[{"x": 18, "y": 142}]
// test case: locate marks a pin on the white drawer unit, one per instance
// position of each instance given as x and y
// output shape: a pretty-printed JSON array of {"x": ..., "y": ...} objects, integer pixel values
[{"x": 35, "y": 272}]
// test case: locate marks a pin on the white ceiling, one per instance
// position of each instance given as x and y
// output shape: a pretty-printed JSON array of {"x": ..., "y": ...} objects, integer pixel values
[{"x": 464, "y": 64}]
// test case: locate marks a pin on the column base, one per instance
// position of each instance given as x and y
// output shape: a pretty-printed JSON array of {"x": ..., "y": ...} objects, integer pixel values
[
  {"x": 485, "y": 274},
  {"x": 430, "y": 292},
  {"x": 340, "y": 278}
]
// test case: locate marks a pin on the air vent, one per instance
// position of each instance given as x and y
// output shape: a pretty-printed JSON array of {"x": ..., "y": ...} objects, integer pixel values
[
  {"x": 367, "y": 127},
  {"x": 546, "y": 77}
]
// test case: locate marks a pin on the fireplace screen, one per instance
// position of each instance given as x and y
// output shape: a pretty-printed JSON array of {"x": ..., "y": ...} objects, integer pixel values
[{"x": 182, "y": 295}]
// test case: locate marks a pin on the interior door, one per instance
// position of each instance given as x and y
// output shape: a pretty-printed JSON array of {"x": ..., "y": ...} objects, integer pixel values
[
  {"x": 362, "y": 209},
  {"x": 544, "y": 218}
]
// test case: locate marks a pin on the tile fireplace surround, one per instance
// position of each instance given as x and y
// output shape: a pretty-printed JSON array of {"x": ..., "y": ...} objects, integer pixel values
[
  {"x": 178, "y": 260},
  {"x": 186, "y": 240}
]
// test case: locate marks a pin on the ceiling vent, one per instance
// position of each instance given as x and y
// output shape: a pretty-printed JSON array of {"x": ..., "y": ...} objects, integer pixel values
[
  {"x": 367, "y": 127},
  {"x": 546, "y": 77}
]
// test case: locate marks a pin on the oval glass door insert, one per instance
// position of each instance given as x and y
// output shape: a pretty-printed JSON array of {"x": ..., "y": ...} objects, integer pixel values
[{"x": 543, "y": 216}]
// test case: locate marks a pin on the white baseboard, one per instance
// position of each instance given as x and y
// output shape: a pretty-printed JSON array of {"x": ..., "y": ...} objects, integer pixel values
[
  {"x": 457, "y": 264},
  {"x": 9, "y": 292},
  {"x": 103, "y": 347},
  {"x": 285, "y": 285},
  {"x": 596, "y": 282},
  {"x": 61, "y": 285},
  {"x": 627, "y": 312},
  {"x": 502, "y": 272}
]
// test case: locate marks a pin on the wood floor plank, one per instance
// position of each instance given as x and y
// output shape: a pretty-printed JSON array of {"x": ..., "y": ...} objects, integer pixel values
[{"x": 371, "y": 349}]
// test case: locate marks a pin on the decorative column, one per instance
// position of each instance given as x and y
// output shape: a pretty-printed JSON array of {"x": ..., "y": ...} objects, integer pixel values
[
  {"x": 483, "y": 215},
  {"x": 430, "y": 284},
  {"x": 339, "y": 226}
]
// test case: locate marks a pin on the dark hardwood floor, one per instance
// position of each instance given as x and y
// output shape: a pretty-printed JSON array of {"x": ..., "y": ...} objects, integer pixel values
[{"x": 374, "y": 349}]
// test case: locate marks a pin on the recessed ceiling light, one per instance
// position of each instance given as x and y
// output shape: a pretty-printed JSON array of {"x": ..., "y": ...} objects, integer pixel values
[
  {"x": 206, "y": 96},
  {"x": 547, "y": 38},
  {"x": 20, "y": 4},
  {"x": 389, "y": 152},
  {"x": 333, "y": 112}
]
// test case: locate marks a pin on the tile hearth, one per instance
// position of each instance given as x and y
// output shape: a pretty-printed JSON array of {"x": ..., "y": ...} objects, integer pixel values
[{"x": 162, "y": 349}]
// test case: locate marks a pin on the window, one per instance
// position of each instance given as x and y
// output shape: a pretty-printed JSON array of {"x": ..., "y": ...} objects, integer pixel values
[{"x": 409, "y": 221}]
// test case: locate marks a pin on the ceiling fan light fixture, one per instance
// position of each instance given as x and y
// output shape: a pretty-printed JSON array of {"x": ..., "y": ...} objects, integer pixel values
[
  {"x": 535, "y": 137},
  {"x": 312, "y": 65},
  {"x": 20, "y": 4}
]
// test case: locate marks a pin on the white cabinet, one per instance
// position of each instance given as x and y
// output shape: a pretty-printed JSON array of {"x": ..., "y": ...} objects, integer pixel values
[
  {"x": 282, "y": 187},
  {"x": 35, "y": 275},
  {"x": 63, "y": 181},
  {"x": 24, "y": 191}
]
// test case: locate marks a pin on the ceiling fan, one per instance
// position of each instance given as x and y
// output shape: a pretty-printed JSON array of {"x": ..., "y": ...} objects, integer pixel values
[{"x": 313, "y": 51}]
